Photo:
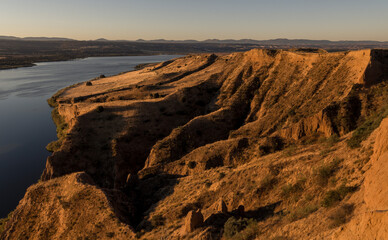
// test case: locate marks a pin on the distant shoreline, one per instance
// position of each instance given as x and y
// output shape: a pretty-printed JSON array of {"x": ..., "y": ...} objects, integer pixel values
[{"x": 13, "y": 62}]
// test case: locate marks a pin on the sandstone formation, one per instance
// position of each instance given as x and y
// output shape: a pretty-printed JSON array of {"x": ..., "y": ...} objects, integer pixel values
[
  {"x": 287, "y": 138},
  {"x": 222, "y": 207},
  {"x": 193, "y": 220}
]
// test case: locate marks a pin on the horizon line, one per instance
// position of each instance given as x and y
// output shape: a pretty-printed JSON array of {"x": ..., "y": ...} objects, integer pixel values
[{"x": 208, "y": 39}]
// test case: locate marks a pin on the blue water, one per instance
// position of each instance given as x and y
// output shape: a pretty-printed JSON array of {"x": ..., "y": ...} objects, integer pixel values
[{"x": 25, "y": 121}]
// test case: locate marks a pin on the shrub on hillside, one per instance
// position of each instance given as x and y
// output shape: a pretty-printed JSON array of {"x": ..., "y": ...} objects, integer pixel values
[
  {"x": 340, "y": 215},
  {"x": 325, "y": 171},
  {"x": 240, "y": 229},
  {"x": 370, "y": 124},
  {"x": 334, "y": 196},
  {"x": 271, "y": 145},
  {"x": 303, "y": 212},
  {"x": 291, "y": 189}
]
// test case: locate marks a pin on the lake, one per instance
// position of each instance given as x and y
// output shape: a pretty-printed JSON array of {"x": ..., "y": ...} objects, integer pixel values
[{"x": 25, "y": 118}]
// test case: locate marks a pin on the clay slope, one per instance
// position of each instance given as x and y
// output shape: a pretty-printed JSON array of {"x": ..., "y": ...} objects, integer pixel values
[{"x": 274, "y": 131}]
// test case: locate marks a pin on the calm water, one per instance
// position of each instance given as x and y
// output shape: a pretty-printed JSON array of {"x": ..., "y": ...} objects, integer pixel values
[{"x": 25, "y": 121}]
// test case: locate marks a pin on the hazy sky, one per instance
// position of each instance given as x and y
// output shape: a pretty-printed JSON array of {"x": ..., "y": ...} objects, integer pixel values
[{"x": 196, "y": 19}]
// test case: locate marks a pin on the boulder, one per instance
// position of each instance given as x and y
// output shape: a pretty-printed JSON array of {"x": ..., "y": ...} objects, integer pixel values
[
  {"x": 194, "y": 219},
  {"x": 222, "y": 207}
]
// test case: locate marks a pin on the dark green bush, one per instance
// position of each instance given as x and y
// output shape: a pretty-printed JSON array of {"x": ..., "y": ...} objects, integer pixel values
[
  {"x": 369, "y": 125},
  {"x": 61, "y": 131},
  {"x": 240, "y": 229},
  {"x": 291, "y": 189},
  {"x": 324, "y": 172},
  {"x": 334, "y": 196},
  {"x": 303, "y": 212},
  {"x": 54, "y": 145}
]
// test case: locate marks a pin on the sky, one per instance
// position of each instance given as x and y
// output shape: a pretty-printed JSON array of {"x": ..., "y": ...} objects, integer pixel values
[{"x": 196, "y": 19}]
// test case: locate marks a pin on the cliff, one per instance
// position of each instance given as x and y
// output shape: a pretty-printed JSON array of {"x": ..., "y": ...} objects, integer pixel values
[{"x": 286, "y": 140}]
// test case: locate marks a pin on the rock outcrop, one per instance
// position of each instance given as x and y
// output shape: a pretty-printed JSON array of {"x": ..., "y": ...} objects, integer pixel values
[
  {"x": 222, "y": 207},
  {"x": 193, "y": 220}
]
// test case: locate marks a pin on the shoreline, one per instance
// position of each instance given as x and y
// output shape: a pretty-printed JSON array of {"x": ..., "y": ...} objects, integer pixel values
[
  {"x": 54, "y": 107},
  {"x": 20, "y": 63}
]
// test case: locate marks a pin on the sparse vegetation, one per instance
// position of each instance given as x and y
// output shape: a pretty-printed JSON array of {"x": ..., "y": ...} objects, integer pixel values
[
  {"x": 303, "y": 212},
  {"x": 290, "y": 150},
  {"x": 61, "y": 131},
  {"x": 369, "y": 125},
  {"x": 4, "y": 221},
  {"x": 334, "y": 196},
  {"x": 88, "y": 83},
  {"x": 240, "y": 229},
  {"x": 332, "y": 140},
  {"x": 340, "y": 215},
  {"x": 326, "y": 171},
  {"x": 268, "y": 182},
  {"x": 291, "y": 189},
  {"x": 271, "y": 145},
  {"x": 54, "y": 145},
  {"x": 210, "y": 163}
]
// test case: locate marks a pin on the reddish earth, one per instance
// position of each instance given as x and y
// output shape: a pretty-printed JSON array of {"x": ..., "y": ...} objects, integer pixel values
[{"x": 185, "y": 148}]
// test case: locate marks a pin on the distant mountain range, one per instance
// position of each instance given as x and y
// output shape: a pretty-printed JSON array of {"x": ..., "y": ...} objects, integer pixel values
[
  {"x": 36, "y": 38},
  {"x": 20, "y": 52},
  {"x": 278, "y": 41}
]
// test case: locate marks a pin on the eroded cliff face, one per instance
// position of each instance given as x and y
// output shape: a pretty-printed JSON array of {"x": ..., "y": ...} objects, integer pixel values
[
  {"x": 264, "y": 129},
  {"x": 372, "y": 219}
]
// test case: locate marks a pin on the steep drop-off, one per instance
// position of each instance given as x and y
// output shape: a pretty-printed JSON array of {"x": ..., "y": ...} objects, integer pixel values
[{"x": 263, "y": 136}]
